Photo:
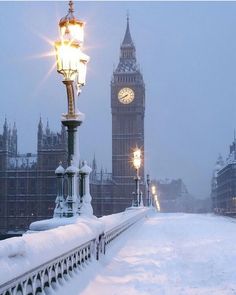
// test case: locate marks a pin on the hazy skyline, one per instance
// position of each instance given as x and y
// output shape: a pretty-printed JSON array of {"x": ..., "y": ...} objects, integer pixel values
[{"x": 187, "y": 53}]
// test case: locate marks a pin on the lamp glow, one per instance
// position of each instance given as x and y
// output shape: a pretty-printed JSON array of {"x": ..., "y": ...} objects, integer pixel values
[
  {"x": 137, "y": 159},
  {"x": 72, "y": 30},
  {"x": 67, "y": 57}
]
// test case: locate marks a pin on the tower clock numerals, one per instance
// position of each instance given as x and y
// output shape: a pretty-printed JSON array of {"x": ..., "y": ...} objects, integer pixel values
[{"x": 126, "y": 95}]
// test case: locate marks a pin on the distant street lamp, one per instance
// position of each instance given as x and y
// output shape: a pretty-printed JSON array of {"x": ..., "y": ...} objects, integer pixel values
[
  {"x": 153, "y": 189},
  {"x": 148, "y": 190},
  {"x": 71, "y": 63},
  {"x": 137, "y": 164}
]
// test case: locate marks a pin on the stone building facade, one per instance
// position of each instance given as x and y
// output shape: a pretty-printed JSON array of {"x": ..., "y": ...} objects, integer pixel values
[
  {"x": 27, "y": 182},
  {"x": 173, "y": 196},
  {"x": 223, "y": 191}
]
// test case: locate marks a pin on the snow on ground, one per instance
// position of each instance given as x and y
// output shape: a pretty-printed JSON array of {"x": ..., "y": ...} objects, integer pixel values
[{"x": 167, "y": 254}]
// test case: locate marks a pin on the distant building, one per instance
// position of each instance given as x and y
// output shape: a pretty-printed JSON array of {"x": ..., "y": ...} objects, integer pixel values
[
  {"x": 218, "y": 166},
  {"x": 224, "y": 184},
  {"x": 27, "y": 182},
  {"x": 101, "y": 188},
  {"x": 173, "y": 196}
]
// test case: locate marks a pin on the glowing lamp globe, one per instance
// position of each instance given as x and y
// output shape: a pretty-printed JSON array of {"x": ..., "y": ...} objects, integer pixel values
[
  {"x": 137, "y": 158},
  {"x": 67, "y": 58},
  {"x": 153, "y": 190}
]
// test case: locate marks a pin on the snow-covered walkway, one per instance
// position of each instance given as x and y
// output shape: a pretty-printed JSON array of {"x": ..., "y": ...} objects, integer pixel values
[{"x": 170, "y": 254}]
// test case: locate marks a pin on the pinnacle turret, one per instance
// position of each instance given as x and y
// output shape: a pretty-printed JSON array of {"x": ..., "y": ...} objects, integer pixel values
[
  {"x": 40, "y": 127},
  {"x": 47, "y": 128},
  {"x": 5, "y": 128},
  {"x": 94, "y": 165}
]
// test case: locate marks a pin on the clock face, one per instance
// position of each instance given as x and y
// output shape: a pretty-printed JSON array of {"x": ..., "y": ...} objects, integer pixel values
[{"x": 126, "y": 95}]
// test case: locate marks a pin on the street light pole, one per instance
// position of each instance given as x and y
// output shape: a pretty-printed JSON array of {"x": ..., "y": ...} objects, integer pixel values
[
  {"x": 137, "y": 187},
  {"x": 137, "y": 164},
  {"x": 148, "y": 190},
  {"x": 71, "y": 63}
]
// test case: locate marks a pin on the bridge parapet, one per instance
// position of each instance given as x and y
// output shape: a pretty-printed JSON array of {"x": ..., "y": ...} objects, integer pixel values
[{"x": 37, "y": 261}]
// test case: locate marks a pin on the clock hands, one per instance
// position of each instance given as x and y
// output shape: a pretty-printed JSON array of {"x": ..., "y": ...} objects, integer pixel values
[{"x": 126, "y": 95}]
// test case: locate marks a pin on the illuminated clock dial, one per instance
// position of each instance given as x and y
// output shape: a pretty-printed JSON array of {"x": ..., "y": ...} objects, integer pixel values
[{"x": 126, "y": 95}]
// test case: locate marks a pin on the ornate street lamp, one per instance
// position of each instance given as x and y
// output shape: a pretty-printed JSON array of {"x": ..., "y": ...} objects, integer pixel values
[
  {"x": 71, "y": 63},
  {"x": 137, "y": 164}
]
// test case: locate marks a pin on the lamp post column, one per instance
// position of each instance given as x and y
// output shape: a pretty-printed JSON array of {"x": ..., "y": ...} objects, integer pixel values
[
  {"x": 73, "y": 153},
  {"x": 148, "y": 190},
  {"x": 138, "y": 188},
  {"x": 137, "y": 165}
]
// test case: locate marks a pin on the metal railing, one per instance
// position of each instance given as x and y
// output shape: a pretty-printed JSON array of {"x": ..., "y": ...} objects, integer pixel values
[{"x": 47, "y": 275}]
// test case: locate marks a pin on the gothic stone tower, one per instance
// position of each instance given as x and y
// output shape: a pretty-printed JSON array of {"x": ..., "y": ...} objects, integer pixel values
[
  {"x": 128, "y": 108},
  {"x": 51, "y": 147}
]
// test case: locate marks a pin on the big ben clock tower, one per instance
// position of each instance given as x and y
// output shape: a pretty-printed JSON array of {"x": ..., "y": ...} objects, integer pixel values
[{"x": 128, "y": 108}]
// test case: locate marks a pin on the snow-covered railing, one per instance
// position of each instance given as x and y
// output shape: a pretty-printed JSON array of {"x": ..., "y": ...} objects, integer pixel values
[
  {"x": 46, "y": 275},
  {"x": 113, "y": 233},
  {"x": 31, "y": 277}
]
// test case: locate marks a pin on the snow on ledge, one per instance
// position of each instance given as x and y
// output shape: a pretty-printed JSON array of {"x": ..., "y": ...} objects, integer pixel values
[
  {"x": 60, "y": 235},
  {"x": 20, "y": 254}
]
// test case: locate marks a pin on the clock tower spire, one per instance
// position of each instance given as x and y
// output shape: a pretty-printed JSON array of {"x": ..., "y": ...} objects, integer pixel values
[
  {"x": 127, "y": 38},
  {"x": 128, "y": 108}
]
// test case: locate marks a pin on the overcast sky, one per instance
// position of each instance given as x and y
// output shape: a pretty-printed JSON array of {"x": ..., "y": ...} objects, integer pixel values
[{"x": 187, "y": 53}]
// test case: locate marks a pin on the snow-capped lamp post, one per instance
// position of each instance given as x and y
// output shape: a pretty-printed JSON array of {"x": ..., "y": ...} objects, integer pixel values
[
  {"x": 137, "y": 164},
  {"x": 71, "y": 63}
]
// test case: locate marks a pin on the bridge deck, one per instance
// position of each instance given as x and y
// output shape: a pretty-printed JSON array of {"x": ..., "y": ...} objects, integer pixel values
[{"x": 165, "y": 254}]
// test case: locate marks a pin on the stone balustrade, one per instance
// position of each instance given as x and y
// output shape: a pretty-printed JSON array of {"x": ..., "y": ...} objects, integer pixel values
[{"x": 47, "y": 275}]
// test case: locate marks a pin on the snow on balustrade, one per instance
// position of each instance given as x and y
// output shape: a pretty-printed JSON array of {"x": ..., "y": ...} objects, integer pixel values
[
  {"x": 111, "y": 221},
  {"x": 21, "y": 254},
  {"x": 51, "y": 238}
]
